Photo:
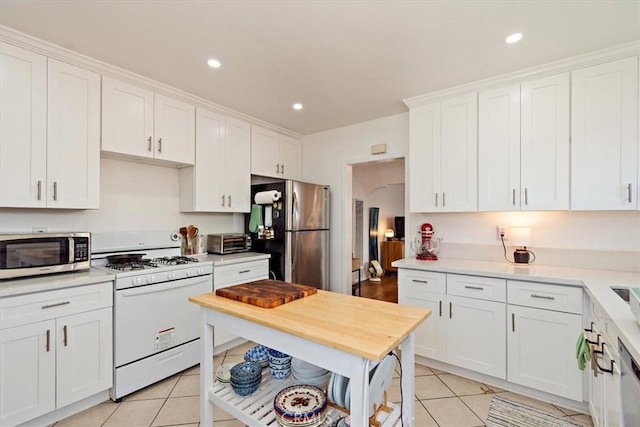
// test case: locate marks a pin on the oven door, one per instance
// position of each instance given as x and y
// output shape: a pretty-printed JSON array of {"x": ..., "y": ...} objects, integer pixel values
[
  {"x": 151, "y": 319},
  {"x": 630, "y": 387}
]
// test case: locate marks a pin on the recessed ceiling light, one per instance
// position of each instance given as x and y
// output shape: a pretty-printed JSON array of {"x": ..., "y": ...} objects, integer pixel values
[
  {"x": 514, "y": 38},
  {"x": 297, "y": 106},
  {"x": 214, "y": 63}
]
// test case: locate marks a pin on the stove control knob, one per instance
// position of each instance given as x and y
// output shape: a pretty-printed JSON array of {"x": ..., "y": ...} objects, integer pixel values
[
  {"x": 150, "y": 279},
  {"x": 171, "y": 276},
  {"x": 136, "y": 282}
]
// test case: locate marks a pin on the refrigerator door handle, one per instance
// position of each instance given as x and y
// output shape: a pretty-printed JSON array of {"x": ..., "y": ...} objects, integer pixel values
[{"x": 294, "y": 210}]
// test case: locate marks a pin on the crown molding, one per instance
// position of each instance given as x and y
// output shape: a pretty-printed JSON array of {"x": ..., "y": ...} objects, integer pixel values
[
  {"x": 25, "y": 41},
  {"x": 564, "y": 65}
]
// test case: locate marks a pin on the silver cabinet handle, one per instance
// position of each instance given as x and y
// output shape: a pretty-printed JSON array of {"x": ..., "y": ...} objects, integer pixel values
[
  {"x": 244, "y": 271},
  {"x": 58, "y": 304},
  {"x": 64, "y": 335},
  {"x": 39, "y": 190},
  {"x": 542, "y": 297},
  {"x": 419, "y": 281},
  {"x": 629, "y": 192},
  {"x": 149, "y": 142},
  {"x": 222, "y": 200},
  {"x": 436, "y": 200},
  {"x": 440, "y": 303},
  {"x": 476, "y": 288},
  {"x": 513, "y": 196},
  {"x": 159, "y": 145},
  {"x": 526, "y": 196},
  {"x": 513, "y": 322},
  {"x": 444, "y": 201},
  {"x": 278, "y": 168},
  {"x": 229, "y": 197},
  {"x": 48, "y": 343},
  {"x": 450, "y": 311},
  {"x": 282, "y": 169},
  {"x": 55, "y": 190}
]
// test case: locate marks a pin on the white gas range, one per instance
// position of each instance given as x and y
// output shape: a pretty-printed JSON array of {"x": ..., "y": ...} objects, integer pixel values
[{"x": 156, "y": 330}]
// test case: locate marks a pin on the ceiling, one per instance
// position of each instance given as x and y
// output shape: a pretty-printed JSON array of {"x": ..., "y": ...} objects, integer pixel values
[{"x": 346, "y": 61}]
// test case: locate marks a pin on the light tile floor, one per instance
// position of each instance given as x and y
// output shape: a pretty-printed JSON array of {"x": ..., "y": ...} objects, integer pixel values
[{"x": 442, "y": 399}]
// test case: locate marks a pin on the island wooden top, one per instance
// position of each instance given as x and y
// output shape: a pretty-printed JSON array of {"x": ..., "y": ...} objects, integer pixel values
[{"x": 361, "y": 326}]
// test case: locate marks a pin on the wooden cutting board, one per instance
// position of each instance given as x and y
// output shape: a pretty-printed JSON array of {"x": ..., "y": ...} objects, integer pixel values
[{"x": 267, "y": 293}]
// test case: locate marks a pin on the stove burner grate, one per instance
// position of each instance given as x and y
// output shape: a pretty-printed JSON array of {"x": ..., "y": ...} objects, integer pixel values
[
  {"x": 175, "y": 260},
  {"x": 133, "y": 265}
]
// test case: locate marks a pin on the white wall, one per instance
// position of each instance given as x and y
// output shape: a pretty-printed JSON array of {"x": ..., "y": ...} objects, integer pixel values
[
  {"x": 133, "y": 196},
  {"x": 596, "y": 239}
]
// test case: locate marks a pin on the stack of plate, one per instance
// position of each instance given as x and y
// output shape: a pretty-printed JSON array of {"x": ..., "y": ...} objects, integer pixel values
[
  {"x": 279, "y": 364},
  {"x": 223, "y": 373},
  {"x": 306, "y": 373},
  {"x": 246, "y": 377},
  {"x": 300, "y": 406},
  {"x": 259, "y": 354}
]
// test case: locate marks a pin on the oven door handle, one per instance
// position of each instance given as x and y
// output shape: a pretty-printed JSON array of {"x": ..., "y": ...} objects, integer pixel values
[{"x": 151, "y": 289}]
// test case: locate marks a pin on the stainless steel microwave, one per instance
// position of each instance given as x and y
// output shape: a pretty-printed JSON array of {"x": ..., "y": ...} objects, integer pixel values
[{"x": 24, "y": 255}]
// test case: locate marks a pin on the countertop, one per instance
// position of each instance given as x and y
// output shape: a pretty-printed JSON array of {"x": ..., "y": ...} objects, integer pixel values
[
  {"x": 219, "y": 260},
  {"x": 52, "y": 282},
  {"x": 364, "y": 327},
  {"x": 596, "y": 283}
]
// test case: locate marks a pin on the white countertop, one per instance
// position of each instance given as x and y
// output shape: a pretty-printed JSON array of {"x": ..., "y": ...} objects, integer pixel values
[
  {"x": 219, "y": 260},
  {"x": 53, "y": 281},
  {"x": 597, "y": 284}
]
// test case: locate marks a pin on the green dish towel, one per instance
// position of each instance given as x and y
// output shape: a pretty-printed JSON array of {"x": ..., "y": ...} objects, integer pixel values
[
  {"x": 255, "y": 220},
  {"x": 583, "y": 351}
]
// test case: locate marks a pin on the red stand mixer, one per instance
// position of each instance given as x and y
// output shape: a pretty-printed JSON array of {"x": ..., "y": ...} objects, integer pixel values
[{"x": 426, "y": 247}]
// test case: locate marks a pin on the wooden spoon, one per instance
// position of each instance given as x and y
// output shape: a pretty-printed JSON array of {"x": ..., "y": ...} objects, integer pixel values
[
  {"x": 191, "y": 233},
  {"x": 184, "y": 233}
]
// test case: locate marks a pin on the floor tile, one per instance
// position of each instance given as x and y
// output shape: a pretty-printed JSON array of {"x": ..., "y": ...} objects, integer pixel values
[
  {"x": 451, "y": 412},
  {"x": 532, "y": 402},
  {"x": 583, "y": 419},
  {"x": 393, "y": 392},
  {"x": 567, "y": 411},
  {"x": 138, "y": 413},
  {"x": 462, "y": 386},
  {"x": 419, "y": 371},
  {"x": 241, "y": 349},
  {"x": 194, "y": 370},
  {"x": 423, "y": 418},
  {"x": 479, "y": 404},
  {"x": 94, "y": 416},
  {"x": 159, "y": 390},
  {"x": 179, "y": 410},
  {"x": 230, "y": 358},
  {"x": 188, "y": 385},
  {"x": 430, "y": 387},
  {"x": 220, "y": 414}
]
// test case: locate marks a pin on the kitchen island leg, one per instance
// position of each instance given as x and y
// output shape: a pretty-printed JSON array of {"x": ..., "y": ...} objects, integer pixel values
[
  {"x": 206, "y": 371},
  {"x": 407, "y": 362},
  {"x": 359, "y": 382}
]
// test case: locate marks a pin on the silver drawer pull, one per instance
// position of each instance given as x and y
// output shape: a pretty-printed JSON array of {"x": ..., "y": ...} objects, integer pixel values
[
  {"x": 542, "y": 297},
  {"x": 419, "y": 281},
  {"x": 244, "y": 271},
  {"x": 477, "y": 288},
  {"x": 58, "y": 304}
]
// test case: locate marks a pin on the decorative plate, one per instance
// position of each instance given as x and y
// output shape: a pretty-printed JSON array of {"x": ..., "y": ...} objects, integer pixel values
[
  {"x": 299, "y": 402},
  {"x": 223, "y": 373}
]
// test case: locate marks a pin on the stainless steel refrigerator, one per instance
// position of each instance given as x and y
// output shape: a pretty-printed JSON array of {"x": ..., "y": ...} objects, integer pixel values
[{"x": 300, "y": 220}]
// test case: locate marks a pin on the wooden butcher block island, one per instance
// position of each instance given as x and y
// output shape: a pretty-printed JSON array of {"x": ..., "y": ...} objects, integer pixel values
[{"x": 342, "y": 333}]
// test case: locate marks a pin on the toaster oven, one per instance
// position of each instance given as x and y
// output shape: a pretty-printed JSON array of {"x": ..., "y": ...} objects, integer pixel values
[{"x": 224, "y": 244}]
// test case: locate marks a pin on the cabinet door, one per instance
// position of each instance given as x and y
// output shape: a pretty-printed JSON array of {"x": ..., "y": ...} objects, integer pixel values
[
  {"x": 604, "y": 129},
  {"x": 127, "y": 119},
  {"x": 424, "y": 161},
  {"x": 28, "y": 372},
  {"x": 207, "y": 179},
  {"x": 73, "y": 129},
  {"x": 290, "y": 158},
  {"x": 499, "y": 149},
  {"x": 238, "y": 165},
  {"x": 612, "y": 391},
  {"x": 430, "y": 336},
  {"x": 84, "y": 351},
  {"x": 544, "y": 144},
  {"x": 23, "y": 127},
  {"x": 459, "y": 154},
  {"x": 174, "y": 130},
  {"x": 265, "y": 152},
  {"x": 476, "y": 335},
  {"x": 541, "y": 351}
]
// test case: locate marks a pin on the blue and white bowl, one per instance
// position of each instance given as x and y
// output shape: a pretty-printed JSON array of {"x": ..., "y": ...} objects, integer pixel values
[{"x": 259, "y": 353}]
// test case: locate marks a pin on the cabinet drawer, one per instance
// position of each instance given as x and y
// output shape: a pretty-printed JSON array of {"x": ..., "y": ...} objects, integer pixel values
[
  {"x": 25, "y": 309},
  {"x": 228, "y": 275},
  {"x": 486, "y": 288},
  {"x": 540, "y": 295},
  {"x": 421, "y": 281}
]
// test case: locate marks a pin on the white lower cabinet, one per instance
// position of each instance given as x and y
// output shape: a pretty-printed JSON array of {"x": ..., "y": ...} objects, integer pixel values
[
  {"x": 55, "y": 349},
  {"x": 235, "y": 274}
]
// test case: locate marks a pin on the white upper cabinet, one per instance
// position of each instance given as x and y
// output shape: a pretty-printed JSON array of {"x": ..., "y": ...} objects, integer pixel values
[
  {"x": 443, "y": 144},
  {"x": 523, "y": 159},
  {"x": 220, "y": 180},
  {"x": 138, "y": 123},
  {"x": 275, "y": 155},
  {"x": 604, "y": 128},
  {"x": 50, "y": 140}
]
